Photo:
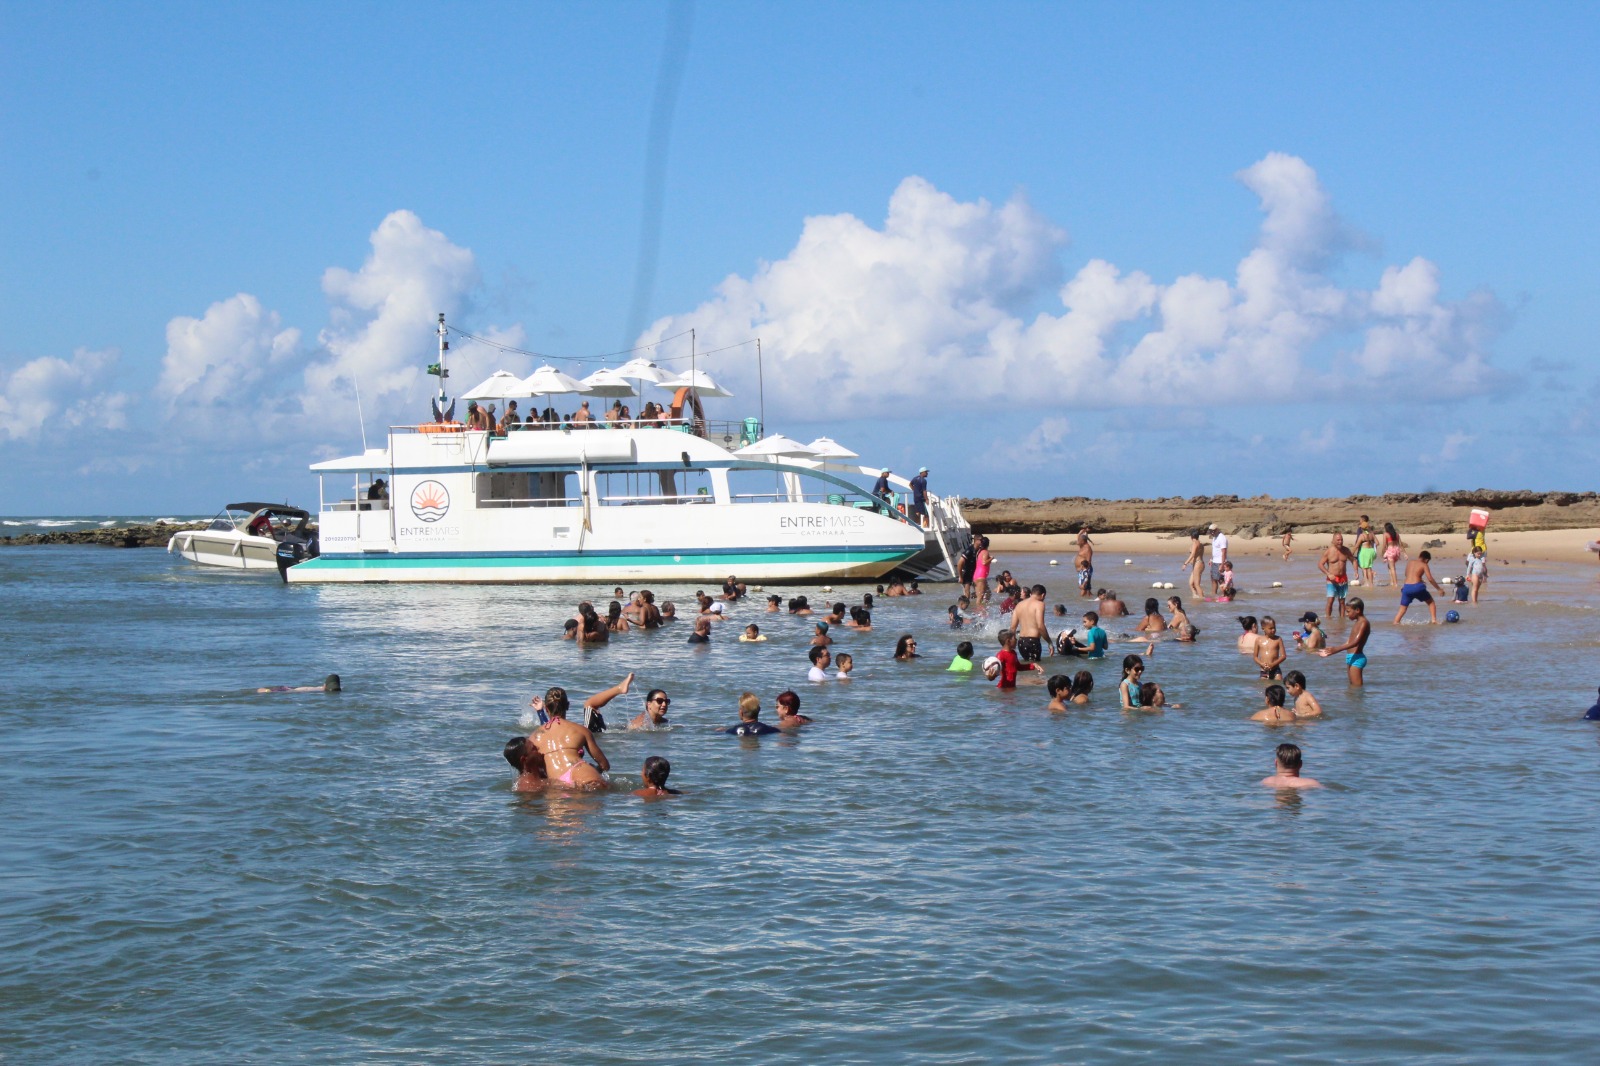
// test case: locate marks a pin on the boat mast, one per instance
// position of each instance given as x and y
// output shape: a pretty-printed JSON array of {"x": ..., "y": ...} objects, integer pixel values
[{"x": 438, "y": 368}]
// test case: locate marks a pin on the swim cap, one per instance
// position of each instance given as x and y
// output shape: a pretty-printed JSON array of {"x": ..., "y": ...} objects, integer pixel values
[
  {"x": 1452, "y": 616},
  {"x": 823, "y": 626}
]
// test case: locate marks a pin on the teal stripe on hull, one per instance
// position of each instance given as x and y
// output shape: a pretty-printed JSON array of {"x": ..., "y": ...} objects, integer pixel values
[{"x": 659, "y": 560}]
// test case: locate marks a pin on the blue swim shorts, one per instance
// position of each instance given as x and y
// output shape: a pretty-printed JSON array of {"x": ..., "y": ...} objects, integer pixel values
[
  {"x": 1418, "y": 591},
  {"x": 1085, "y": 576},
  {"x": 1337, "y": 591},
  {"x": 1357, "y": 661}
]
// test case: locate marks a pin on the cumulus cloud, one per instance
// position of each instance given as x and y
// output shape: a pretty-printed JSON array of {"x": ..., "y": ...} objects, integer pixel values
[
  {"x": 48, "y": 393},
  {"x": 934, "y": 308},
  {"x": 221, "y": 358},
  {"x": 380, "y": 330},
  {"x": 1450, "y": 449}
]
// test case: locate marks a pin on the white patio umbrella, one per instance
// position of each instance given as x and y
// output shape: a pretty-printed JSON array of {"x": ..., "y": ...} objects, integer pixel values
[
  {"x": 699, "y": 380},
  {"x": 501, "y": 385},
  {"x": 777, "y": 444},
  {"x": 828, "y": 448},
  {"x": 642, "y": 369},
  {"x": 548, "y": 381},
  {"x": 608, "y": 383}
]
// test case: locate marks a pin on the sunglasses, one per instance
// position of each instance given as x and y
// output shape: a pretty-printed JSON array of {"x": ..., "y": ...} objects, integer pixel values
[{"x": 663, "y": 701}]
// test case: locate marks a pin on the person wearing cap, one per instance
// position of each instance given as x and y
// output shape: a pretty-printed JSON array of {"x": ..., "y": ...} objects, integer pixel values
[
  {"x": 919, "y": 496},
  {"x": 1311, "y": 638},
  {"x": 880, "y": 487},
  {"x": 1219, "y": 555}
]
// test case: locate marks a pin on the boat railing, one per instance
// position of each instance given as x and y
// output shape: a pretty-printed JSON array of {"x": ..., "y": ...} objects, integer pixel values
[
  {"x": 637, "y": 501},
  {"x": 730, "y": 434},
  {"x": 544, "y": 501},
  {"x": 359, "y": 505},
  {"x": 837, "y": 499}
]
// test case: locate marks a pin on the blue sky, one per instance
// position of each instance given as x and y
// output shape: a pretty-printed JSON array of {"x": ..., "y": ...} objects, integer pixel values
[{"x": 1046, "y": 249}]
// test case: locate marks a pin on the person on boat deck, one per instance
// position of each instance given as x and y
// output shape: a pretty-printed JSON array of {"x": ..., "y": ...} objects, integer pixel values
[
  {"x": 648, "y": 414},
  {"x": 511, "y": 419},
  {"x": 614, "y": 413},
  {"x": 260, "y": 525},
  {"x": 880, "y": 487},
  {"x": 582, "y": 417},
  {"x": 379, "y": 490}
]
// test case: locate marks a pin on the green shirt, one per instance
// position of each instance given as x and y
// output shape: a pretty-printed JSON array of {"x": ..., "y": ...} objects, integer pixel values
[{"x": 958, "y": 665}]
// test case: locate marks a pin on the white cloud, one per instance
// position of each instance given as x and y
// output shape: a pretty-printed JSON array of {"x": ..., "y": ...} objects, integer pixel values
[
  {"x": 221, "y": 359},
  {"x": 380, "y": 329},
  {"x": 1321, "y": 443},
  {"x": 48, "y": 392},
  {"x": 928, "y": 312},
  {"x": 1046, "y": 446},
  {"x": 1450, "y": 450}
]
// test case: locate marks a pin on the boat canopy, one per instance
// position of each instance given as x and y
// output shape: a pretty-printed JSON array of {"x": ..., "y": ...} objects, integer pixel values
[
  {"x": 281, "y": 509},
  {"x": 371, "y": 459}
]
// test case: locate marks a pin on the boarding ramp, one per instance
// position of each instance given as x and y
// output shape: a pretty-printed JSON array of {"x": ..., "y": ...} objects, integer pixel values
[{"x": 945, "y": 537}]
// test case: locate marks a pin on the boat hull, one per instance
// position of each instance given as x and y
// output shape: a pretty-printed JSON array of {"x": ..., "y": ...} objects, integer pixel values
[
  {"x": 229, "y": 551},
  {"x": 773, "y": 565}
]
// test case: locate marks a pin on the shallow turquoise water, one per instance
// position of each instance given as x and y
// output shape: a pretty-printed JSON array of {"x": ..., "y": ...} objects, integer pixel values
[{"x": 936, "y": 871}]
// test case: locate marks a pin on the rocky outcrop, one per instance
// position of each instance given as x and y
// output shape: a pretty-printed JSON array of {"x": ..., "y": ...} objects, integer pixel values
[{"x": 153, "y": 535}]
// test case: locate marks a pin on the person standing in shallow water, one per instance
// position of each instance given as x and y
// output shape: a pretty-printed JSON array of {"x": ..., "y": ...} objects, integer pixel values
[
  {"x": 1355, "y": 648},
  {"x": 1195, "y": 564}
]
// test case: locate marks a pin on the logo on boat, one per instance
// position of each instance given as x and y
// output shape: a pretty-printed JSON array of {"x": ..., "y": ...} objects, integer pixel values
[{"x": 430, "y": 501}]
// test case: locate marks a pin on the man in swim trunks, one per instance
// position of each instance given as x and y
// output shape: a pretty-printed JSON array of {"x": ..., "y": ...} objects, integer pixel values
[
  {"x": 1270, "y": 652},
  {"x": 1355, "y": 649},
  {"x": 1333, "y": 563},
  {"x": 1033, "y": 636},
  {"x": 1366, "y": 550},
  {"x": 1085, "y": 563},
  {"x": 1418, "y": 572}
]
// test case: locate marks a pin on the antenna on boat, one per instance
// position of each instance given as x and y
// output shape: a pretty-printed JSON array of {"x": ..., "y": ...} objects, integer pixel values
[
  {"x": 360, "y": 414},
  {"x": 442, "y": 412},
  {"x": 761, "y": 388}
]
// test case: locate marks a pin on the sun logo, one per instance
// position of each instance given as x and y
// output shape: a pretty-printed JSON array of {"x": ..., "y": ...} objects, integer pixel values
[{"x": 430, "y": 501}]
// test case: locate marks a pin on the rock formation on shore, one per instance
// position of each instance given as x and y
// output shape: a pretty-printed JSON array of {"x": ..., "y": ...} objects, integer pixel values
[{"x": 153, "y": 535}]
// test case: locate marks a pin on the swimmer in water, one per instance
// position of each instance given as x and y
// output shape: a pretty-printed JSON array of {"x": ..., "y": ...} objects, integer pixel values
[
  {"x": 1250, "y": 637},
  {"x": 1270, "y": 652},
  {"x": 1128, "y": 688},
  {"x": 844, "y": 664},
  {"x": 1418, "y": 571},
  {"x": 654, "y": 716},
  {"x": 329, "y": 684},
  {"x": 751, "y": 635},
  {"x": 1311, "y": 638},
  {"x": 563, "y": 743},
  {"x": 655, "y": 773},
  {"x": 528, "y": 764},
  {"x": 1153, "y": 698},
  {"x": 1060, "y": 688},
  {"x": 789, "y": 716},
  {"x": 1082, "y": 685},
  {"x": 1274, "y": 713},
  {"x": 1355, "y": 648},
  {"x": 1305, "y": 704},
  {"x": 1286, "y": 770},
  {"x": 750, "y": 724}
]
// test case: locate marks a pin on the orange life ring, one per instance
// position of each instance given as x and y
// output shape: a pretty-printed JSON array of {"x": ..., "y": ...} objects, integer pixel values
[{"x": 439, "y": 427}]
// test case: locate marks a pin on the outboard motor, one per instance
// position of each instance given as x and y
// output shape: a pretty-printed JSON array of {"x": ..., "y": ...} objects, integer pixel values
[{"x": 289, "y": 553}]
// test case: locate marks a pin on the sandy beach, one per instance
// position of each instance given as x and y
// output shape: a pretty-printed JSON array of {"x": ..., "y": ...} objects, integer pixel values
[{"x": 1532, "y": 546}]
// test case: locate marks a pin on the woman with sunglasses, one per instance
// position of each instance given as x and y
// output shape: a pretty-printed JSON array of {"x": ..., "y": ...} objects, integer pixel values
[{"x": 655, "y": 711}]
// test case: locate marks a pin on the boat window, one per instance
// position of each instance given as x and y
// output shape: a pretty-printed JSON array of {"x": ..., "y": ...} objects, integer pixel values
[
  {"x": 772, "y": 486},
  {"x": 538, "y": 488},
  {"x": 633, "y": 488}
]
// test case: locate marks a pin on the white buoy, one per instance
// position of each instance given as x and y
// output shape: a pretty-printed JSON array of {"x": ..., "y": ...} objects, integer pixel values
[
  {"x": 1156, "y": 585},
  {"x": 1168, "y": 585},
  {"x": 1356, "y": 583},
  {"x": 1127, "y": 562},
  {"x": 1054, "y": 563},
  {"x": 1277, "y": 584},
  {"x": 827, "y": 588}
]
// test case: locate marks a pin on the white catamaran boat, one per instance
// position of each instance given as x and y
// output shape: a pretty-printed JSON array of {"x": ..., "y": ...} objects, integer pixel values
[
  {"x": 683, "y": 499},
  {"x": 247, "y": 536}
]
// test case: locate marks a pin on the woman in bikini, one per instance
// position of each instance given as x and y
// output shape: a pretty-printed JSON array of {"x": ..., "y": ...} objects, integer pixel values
[
  {"x": 563, "y": 743},
  {"x": 1195, "y": 564},
  {"x": 980, "y": 572},
  {"x": 1394, "y": 549}
]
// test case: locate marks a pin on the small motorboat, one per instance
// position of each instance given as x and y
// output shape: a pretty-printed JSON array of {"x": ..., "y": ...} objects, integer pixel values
[{"x": 248, "y": 536}]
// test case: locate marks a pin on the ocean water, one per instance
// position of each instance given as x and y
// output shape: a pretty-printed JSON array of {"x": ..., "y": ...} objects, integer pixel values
[{"x": 934, "y": 872}]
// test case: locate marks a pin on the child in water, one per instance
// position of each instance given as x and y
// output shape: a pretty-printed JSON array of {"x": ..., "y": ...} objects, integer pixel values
[
  {"x": 656, "y": 770},
  {"x": 1225, "y": 592},
  {"x": 962, "y": 663},
  {"x": 1355, "y": 649},
  {"x": 751, "y": 635},
  {"x": 1274, "y": 713},
  {"x": 1128, "y": 688}
]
